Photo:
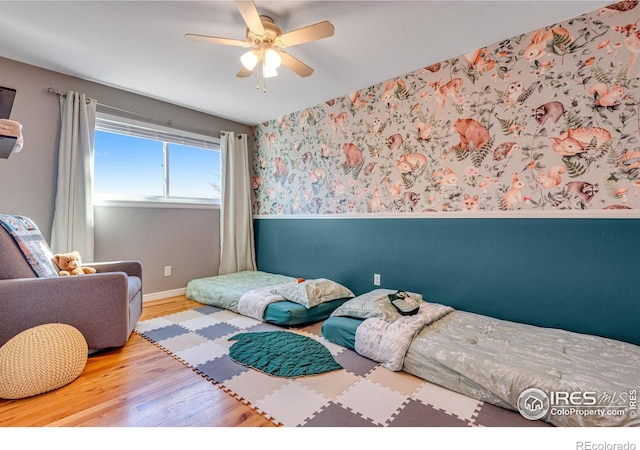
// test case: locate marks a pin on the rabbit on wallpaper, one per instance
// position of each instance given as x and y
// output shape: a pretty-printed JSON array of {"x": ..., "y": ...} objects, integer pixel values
[
  {"x": 540, "y": 39},
  {"x": 390, "y": 88},
  {"x": 446, "y": 178},
  {"x": 375, "y": 203},
  {"x": 513, "y": 197}
]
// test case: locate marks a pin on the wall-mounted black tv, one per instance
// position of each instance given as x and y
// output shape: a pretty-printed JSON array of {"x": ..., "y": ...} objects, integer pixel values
[{"x": 6, "y": 101}]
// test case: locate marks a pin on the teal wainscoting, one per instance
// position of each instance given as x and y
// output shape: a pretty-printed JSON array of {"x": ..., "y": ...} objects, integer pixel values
[{"x": 578, "y": 274}]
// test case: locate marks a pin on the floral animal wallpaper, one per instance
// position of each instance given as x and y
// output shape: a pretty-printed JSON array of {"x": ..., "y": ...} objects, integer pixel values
[{"x": 547, "y": 120}]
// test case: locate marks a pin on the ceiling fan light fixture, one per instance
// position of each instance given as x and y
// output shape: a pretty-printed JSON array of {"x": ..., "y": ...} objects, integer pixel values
[
  {"x": 249, "y": 60},
  {"x": 272, "y": 59},
  {"x": 269, "y": 72},
  {"x": 266, "y": 40}
]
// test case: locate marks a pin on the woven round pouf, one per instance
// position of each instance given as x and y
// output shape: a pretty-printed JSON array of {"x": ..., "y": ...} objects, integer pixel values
[{"x": 41, "y": 359}]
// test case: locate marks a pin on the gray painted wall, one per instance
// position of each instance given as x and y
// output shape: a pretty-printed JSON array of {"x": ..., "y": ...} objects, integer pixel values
[{"x": 186, "y": 239}]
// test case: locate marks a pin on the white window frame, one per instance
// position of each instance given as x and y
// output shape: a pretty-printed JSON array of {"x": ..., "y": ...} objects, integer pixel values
[{"x": 132, "y": 127}]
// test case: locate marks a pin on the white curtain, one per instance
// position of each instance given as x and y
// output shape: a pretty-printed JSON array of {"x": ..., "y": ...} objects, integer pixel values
[
  {"x": 73, "y": 215},
  {"x": 237, "y": 252}
]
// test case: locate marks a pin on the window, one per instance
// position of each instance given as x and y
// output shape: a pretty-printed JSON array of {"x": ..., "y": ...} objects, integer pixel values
[{"x": 140, "y": 162}]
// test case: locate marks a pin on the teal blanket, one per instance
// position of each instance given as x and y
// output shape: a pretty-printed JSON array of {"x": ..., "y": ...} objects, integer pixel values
[{"x": 282, "y": 354}]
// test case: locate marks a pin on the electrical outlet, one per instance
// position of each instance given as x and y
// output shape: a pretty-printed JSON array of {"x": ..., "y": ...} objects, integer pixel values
[
  {"x": 376, "y": 279},
  {"x": 167, "y": 271}
]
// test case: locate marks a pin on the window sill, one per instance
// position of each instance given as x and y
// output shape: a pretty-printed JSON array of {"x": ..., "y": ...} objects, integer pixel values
[{"x": 145, "y": 202}]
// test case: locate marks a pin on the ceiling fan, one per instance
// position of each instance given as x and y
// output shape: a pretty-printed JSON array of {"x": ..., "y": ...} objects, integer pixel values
[{"x": 266, "y": 41}]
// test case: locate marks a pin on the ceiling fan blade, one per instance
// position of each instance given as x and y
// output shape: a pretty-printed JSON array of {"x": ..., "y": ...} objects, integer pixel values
[
  {"x": 295, "y": 64},
  {"x": 314, "y": 32},
  {"x": 249, "y": 13},
  {"x": 244, "y": 72},
  {"x": 216, "y": 40}
]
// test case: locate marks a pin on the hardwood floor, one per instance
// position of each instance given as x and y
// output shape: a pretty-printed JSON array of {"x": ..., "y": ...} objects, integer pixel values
[{"x": 137, "y": 385}]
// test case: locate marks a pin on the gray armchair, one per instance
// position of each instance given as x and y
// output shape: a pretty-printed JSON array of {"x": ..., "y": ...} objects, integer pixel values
[{"x": 105, "y": 306}]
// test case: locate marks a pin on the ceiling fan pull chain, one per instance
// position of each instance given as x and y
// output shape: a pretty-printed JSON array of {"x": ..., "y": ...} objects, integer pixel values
[{"x": 264, "y": 79}]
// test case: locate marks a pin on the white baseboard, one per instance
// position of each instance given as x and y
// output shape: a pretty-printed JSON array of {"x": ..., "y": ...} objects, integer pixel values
[{"x": 163, "y": 294}]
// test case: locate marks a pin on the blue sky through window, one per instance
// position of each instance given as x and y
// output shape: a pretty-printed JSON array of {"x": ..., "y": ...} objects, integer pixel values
[
  {"x": 194, "y": 172},
  {"x": 130, "y": 165}
]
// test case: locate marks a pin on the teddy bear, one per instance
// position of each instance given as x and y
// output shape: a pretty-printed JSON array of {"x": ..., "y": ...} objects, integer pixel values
[{"x": 71, "y": 264}]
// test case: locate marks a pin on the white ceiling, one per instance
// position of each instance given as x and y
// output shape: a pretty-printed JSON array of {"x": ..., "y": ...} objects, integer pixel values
[{"x": 139, "y": 46}]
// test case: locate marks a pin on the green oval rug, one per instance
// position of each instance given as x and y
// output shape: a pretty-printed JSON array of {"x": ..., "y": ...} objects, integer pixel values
[{"x": 282, "y": 354}]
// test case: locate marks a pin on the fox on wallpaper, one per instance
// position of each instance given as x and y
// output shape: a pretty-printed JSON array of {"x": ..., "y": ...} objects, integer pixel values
[{"x": 548, "y": 120}]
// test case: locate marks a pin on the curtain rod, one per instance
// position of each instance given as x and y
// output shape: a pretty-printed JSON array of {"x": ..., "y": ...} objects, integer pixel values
[
  {"x": 58, "y": 93},
  {"x": 147, "y": 118}
]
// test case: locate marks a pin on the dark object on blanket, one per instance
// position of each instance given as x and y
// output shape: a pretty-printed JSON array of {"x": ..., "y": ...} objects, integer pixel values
[
  {"x": 404, "y": 303},
  {"x": 282, "y": 354}
]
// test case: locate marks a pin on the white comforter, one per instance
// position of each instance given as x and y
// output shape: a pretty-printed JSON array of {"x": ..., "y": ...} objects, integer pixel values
[
  {"x": 387, "y": 341},
  {"x": 255, "y": 302}
]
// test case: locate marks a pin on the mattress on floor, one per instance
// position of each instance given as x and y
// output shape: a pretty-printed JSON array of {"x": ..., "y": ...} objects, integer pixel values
[
  {"x": 341, "y": 330},
  {"x": 290, "y": 313},
  {"x": 495, "y": 360},
  {"x": 224, "y": 291}
]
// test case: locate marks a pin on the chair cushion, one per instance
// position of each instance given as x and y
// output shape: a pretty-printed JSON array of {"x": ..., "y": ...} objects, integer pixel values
[
  {"x": 134, "y": 285},
  {"x": 41, "y": 359}
]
